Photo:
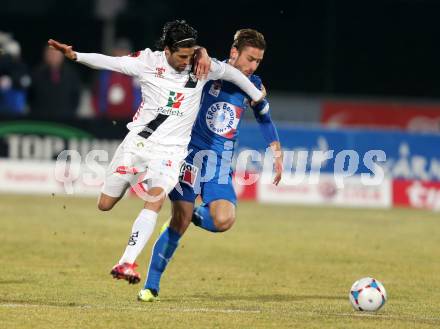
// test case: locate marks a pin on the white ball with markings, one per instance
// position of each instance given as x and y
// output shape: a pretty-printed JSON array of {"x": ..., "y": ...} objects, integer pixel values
[{"x": 367, "y": 294}]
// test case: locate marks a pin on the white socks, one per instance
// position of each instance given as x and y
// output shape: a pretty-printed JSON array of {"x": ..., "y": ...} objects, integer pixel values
[{"x": 141, "y": 232}]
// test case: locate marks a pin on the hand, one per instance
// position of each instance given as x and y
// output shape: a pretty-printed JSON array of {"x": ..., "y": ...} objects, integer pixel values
[
  {"x": 202, "y": 63},
  {"x": 278, "y": 166},
  {"x": 65, "y": 49},
  {"x": 263, "y": 90}
]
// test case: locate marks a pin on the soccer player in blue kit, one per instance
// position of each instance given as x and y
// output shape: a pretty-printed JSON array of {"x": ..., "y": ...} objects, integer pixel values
[{"x": 212, "y": 141}]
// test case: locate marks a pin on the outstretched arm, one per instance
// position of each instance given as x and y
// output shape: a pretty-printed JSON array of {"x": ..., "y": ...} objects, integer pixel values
[
  {"x": 270, "y": 134},
  {"x": 219, "y": 70},
  {"x": 233, "y": 75},
  {"x": 125, "y": 64}
]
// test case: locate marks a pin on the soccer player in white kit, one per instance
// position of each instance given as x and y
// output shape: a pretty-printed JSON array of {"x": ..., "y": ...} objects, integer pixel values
[{"x": 150, "y": 156}]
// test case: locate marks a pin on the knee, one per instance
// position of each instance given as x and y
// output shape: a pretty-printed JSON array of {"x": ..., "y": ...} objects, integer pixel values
[
  {"x": 155, "y": 199},
  {"x": 224, "y": 223},
  {"x": 104, "y": 205},
  {"x": 154, "y": 206}
]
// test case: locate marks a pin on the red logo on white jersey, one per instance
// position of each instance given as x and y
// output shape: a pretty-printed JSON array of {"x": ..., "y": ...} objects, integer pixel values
[
  {"x": 175, "y": 99},
  {"x": 167, "y": 163},
  {"x": 159, "y": 72},
  {"x": 123, "y": 170}
]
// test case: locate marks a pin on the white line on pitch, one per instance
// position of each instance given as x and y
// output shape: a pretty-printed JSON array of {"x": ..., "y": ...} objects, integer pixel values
[
  {"x": 404, "y": 317},
  {"x": 173, "y": 309}
]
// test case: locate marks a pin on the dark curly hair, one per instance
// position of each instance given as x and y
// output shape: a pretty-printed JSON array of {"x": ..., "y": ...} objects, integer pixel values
[{"x": 177, "y": 34}]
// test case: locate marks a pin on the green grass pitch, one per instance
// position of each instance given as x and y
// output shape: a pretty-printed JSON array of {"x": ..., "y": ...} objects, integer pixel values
[{"x": 279, "y": 267}]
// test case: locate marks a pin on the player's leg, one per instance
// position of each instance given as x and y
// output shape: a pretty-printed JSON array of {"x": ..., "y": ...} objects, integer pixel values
[
  {"x": 107, "y": 202},
  {"x": 182, "y": 197},
  {"x": 223, "y": 214},
  {"x": 141, "y": 231},
  {"x": 165, "y": 247},
  {"x": 160, "y": 177},
  {"x": 181, "y": 215},
  {"x": 143, "y": 225},
  {"x": 217, "y": 212},
  {"x": 117, "y": 179},
  {"x": 215, "y": 216}
]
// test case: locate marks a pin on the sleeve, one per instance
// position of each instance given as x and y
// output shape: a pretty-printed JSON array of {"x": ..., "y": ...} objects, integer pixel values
[
  {"x": 256, "y": 80},
  {"x": 267, "y": 127},
  {"x": 219, "y": 70},
  {"x": 130, "y": 65}
]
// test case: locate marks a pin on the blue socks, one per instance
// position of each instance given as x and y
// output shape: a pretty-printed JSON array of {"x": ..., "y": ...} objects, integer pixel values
[
  {"x": 167, "y": 243},
  {"x": 202, "y": 218},
  {"x": 163, "y": 251}
]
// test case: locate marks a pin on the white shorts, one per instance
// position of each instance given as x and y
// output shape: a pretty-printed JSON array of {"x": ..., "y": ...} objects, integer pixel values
[{"x": 142, "y": 164}]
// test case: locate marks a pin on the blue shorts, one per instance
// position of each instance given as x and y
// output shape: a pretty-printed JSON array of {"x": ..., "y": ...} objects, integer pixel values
[{"x": 207, "y": 176}]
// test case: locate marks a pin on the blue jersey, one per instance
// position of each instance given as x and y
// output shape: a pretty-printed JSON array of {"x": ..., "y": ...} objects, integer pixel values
[
  {"x": 221, "y": 109},
  {"x": 216, "y": 130}
]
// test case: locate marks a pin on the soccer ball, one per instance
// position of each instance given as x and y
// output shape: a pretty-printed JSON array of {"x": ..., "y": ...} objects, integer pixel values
[{"x": 367, "y": 294}]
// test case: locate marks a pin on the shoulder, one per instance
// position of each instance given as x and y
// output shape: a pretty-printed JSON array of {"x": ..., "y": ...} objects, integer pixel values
[
  {"x": 140, "y": 53},
  {"x": 146, "y": 55}
]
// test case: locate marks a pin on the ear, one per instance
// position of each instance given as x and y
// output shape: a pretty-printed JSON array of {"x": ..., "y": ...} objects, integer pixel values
[
  {"x": 233, "y": 54},
  {"x": 167, "y": 51}
]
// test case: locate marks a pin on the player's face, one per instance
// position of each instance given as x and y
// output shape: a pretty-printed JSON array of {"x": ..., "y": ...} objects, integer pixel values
[
  {"x": 247, "y": 60},
  {"x": 180, "y": 59}
]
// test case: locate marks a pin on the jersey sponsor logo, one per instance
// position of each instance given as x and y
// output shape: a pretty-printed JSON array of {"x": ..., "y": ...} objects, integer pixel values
[
  {"x": 169, "y": 111},
  {"x": 159, "y": 72},
  {"x": 222, "y": 118},
  {"x": 188, "y": 174},
  {"x": 215, "y": 88},
  {"x": 173, "y": 105},
  {"x": 175, "y": 99}
]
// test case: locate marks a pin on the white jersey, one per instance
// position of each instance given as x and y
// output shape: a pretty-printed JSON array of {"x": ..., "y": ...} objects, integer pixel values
[{"x": 170, "y": 99}]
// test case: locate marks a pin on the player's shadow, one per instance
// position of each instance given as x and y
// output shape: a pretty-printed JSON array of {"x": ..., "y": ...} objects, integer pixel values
[
  {"x": 38, "y": 303},
  {"x": 267, "y": 298},
  {"x": 13, "y": 281}
]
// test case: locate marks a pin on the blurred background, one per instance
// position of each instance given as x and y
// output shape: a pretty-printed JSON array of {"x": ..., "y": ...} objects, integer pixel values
[{"x": 340, "y": 75}]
